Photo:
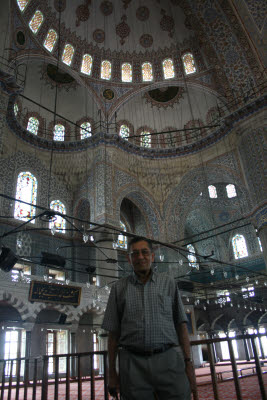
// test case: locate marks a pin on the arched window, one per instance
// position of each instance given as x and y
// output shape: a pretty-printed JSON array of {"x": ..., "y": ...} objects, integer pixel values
[
  {"x": 126, "y": 72},
  {"x": 260, "y": 245},
  {"x": 239, "y": 246},
  {"x": 212, "y": 192},
  {"x": 231, "y": 192},
  {"x": 36, "y": 21},
  {"x": 124, "y": 131},
  {"x": 147, "y": 72},
  {"x": 33, "y": 125},
  {"x": 26, "y": 191},
  {"x": 191, "y": 256},
  {"x": 85, "y": 130},
  {"x": 168, "y": 68},
  {"x": 59, "y": 223},
  {"x": 16, "y": 109},
  {"x": 87, "y": 64},
  {"x": 106, "y": 70},
  {"x": 22, "y": 4},
  {"x": 68, "y": 54},
  {"x": 50, "y": 40},
  {"x": 189, "y": 63},
  {"x": 59, "y": 133},
  {"x": 122, "y": 240},
  {"x": 145, "y": 139}
]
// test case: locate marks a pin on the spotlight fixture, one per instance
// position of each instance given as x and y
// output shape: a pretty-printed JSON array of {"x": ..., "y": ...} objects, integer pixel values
[
  {"x": 52, "y": 259},
  {"x": 7, "y": 259}
]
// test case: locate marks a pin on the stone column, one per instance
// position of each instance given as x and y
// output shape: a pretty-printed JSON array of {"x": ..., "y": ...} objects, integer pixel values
[
  {"x": 253, "y": 158},
  {"x": 73, "y": 363}
]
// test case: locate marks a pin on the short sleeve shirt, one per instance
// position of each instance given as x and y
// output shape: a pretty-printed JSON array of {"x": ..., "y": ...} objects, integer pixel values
[{"x": 145, "y": 315}]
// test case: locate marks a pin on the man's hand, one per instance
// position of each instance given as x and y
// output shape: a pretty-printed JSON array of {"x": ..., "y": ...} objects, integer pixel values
[
  {"x": 190, "y": 372},
  {"x": 113, "y": 384}
]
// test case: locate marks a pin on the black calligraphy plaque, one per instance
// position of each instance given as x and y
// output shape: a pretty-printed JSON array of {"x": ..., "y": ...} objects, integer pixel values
[{"x": 54, "y": 293}]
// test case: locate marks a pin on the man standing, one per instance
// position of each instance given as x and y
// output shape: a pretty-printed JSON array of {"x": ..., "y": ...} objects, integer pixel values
[{"x": 146, "y": 319}]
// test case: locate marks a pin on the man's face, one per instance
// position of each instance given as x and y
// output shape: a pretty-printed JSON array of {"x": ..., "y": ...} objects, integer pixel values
[{"x": 141, "y": 257}]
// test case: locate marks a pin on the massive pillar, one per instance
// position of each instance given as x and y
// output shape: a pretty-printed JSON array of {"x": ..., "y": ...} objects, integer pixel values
[{"x": 252, "y": 148}]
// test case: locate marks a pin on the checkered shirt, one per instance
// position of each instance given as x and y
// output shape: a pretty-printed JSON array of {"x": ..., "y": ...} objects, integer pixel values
[{"x": 145, "y": 315}]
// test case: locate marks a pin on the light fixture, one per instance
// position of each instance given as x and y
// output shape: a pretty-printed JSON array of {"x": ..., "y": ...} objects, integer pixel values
[
  {"x": 85, "y": 237},
  {"x": 161, "y": 257}
]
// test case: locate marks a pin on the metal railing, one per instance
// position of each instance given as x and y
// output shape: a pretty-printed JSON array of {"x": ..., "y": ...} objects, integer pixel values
[{"x": 36, "y": 378}]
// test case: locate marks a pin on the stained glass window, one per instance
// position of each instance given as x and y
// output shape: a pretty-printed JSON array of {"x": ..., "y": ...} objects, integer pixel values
[
  {"x": 239, "y": 246},
  {"x": 33, "y": 125},
  {"x": 191, "y": 256},
  {"x": 22, "y": 4},
  {"x": 85, "y": 130},
  {"x": 106, "y": 70},
  {"x": 124, "y": 131},
  {"x": 87, "y": 64},
  {"x": 145, "y": 139},
  {"x": 26, "y": 191},
  {"x": 68, "y": 54},
  {"x": 16, "y": 109},
  {"x": 59, "y": 133},
  {"x": 231, "y": 192},
  {"x": 126, "y": 72},
  {"x": 122, "y": 240},
  {"x": 50, "y": 40},
  {"x": 36, "y": 21},
  {"x": 189, "y": 63},
  {"x": 168, "y": 69},
  {"x": 212, "y": 192},
  {"x": 147, "y": 72},
  {"x": 60, "y": 222}
]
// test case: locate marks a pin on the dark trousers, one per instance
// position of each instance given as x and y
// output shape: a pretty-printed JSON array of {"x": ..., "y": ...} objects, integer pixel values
[{"x": 160, "y": 376}]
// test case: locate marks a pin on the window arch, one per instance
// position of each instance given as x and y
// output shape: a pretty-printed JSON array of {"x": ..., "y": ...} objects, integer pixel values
[
  {"x": 189, "y": 63},
  {"x": 147, "y": 72},
  {"x": 124, "y": 132},
  {"x": 60, "y": 222},
  {"x": 212, "y": 192},
  {"x": 36, "y": 21},
  {"x": 85, "y": 130},
  {"x": 59, "y": 133},
  {"x": 50, "y": 40},
  {"x": 191, "y": 256},
  {"x": 106, "y": 70},
  {"x": 239, "y": 246},
  {"x": 68, "y": 54},
  {"x": 26, "y": 191},
  {"x": 126, "y": 72},
  {"x": 33, "y": 125},
  {"x": 168, "y": 68},
  {"x": 22, "y": 4},
  {"x": 231, "y": 191},
  {"x": 122, "y": 240},
  {"x": 145, "y": 139},
  {"x": 86, "y": 67}
]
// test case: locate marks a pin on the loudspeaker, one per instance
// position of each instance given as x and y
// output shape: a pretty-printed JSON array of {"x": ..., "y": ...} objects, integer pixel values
[
  {"x": 52, "y": 259},
  {"x": 7, "y": 259},
  {"x": 62, "y": 319}
]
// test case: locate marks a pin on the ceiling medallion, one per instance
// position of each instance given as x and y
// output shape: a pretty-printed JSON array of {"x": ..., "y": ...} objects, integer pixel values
[
  {"x": 99, "y": 36},
  {"x": 106, "y": 7},
  {"x": 108, "y": 94},
  {"x": 123, "y": 30},
  {"x": 167, "y": 23},
  {"x": 142, "y": 13},
  {"x": 60, "y": 5},
  {"x": 164, "y": 97},
  {"x": 82, "y": 12},
  {"x": 146, "y": 40}
]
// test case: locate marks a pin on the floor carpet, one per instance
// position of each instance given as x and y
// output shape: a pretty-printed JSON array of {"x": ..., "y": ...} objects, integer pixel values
[{"x": 249, "y": 388}]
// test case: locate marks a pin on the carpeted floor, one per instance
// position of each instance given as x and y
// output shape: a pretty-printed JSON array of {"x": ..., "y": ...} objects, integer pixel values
[{"x": 249, "y": 388}]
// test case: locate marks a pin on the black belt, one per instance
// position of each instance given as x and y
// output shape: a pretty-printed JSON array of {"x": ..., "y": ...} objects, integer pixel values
[{"x": 147, "y": 353}]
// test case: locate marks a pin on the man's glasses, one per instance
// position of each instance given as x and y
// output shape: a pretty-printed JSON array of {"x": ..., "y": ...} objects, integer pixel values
[{"x": 144, "y": 252}]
